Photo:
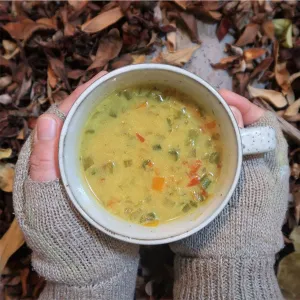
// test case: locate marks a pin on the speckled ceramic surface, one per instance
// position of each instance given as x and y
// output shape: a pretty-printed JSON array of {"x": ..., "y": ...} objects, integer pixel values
[{"x": 257, "y": 140}]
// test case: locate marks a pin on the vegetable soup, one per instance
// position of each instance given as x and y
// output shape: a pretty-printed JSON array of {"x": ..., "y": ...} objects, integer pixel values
[{"x": 150, "y": 155}]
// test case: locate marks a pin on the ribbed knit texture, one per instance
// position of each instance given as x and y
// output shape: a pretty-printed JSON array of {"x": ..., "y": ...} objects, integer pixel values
[
  {"x": 77, "y": 260},
  {"x": 233, "y": 257}
]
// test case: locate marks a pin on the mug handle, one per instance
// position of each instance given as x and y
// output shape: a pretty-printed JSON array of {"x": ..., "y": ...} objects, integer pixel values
[{"x": 257, "y": 140}]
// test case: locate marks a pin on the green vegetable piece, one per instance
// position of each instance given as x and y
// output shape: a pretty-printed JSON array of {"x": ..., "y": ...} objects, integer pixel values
[
  {"x": 87, "y": 162},
  {"x": 175, "y": 154},
  {"x": 193, "y": 203},
  {"x": 127, "y": 95},
  {"x": 156, "y": 147},
  {"x": 193, "y": 134},
  {"x": 186, "y": 208},
  {"x": 193, "y": 152},
  {"x": 128, "y": 163},
  {"x": 113, "y": 114},
  {"x": 109, "y": 167},
  {"x": 148, "y": 217},
  {"x": 181, "y": 113},
  {"x": 90, "y": 131},
  {"x": 214, "y": 158},
  {"x": 169, "y": 124},
  {"x": 205, "y": 182},
  {"x": 145, "y": 163}
]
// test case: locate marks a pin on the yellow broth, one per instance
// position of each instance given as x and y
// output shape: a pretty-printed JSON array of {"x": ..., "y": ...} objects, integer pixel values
[{"x": 149, "y": 155}]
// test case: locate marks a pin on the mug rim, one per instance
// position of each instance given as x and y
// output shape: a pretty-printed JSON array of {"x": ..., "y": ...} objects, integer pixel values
[{"x": 78, "y": 102}]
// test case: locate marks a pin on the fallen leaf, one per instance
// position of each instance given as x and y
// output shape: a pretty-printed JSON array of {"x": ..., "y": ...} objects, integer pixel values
[
  {"x": 78, "y": 4},
  {"x": 171, "y": 39},
  {"x": 24, "y": 29},
  {"x": 248, "y": 36},
  {"x": 294, "y": 77},
  {"x": 225, "y": 62},
  {"x": 75, "y": 74},
  {"x": 282, "y": 76},
  {"x": 49, "y": 22},
  {"x": 233, "y": 49},
  {"x": 59, "y": 70},
  {"x": 7, "y": 173},
  {"x": 138, "y": 59},
  {"x": 262, "y": 67},
  {"x": 12, "y": 240},
  {"x": 223, "y": 28},
  {"x": 108, "y": 49},
  {"x": 9, "y": 46},
  {"x": 268, "y": 29},
  {"x": 253, "y": 53},
  {"x": 181, "y": 3},
  {"x": 5, "y": 153},
  {"x": 271, "y": 96},
  {"x": 52, "y": 79},
  {"x": 180, "y": 57},
  {"x": 293, "y": 109},
  {"x": 103, "y": 20},
  {"x": 191, "y": 24},
  {"x": 24, "y": 276},
  {"x": 5, "y": 81},
  {"x": 5, "y": 99},
  {"x": 121, "y": 61}
]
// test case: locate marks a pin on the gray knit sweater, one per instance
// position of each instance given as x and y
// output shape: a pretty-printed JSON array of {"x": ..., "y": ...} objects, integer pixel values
[{"x": 231, "y": 258}]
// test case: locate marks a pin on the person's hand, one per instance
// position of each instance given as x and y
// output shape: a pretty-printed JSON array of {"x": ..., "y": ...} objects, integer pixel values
[
  {"x": 77, "y": 260},
  {"x": 233, "y": 256}
]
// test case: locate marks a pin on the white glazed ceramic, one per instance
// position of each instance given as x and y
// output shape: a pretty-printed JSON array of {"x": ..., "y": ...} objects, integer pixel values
[{"x": 253, "y": 140}]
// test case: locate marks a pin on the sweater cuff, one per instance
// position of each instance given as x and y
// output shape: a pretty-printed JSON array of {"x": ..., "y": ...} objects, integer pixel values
[
  {"x": 225, "y": 278},
  {"x": 121, "y": 287}
]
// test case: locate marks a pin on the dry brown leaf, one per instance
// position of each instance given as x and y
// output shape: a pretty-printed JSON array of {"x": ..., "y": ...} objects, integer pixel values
[
  {"x": 5, "y": 81},
  {"x": 24, "y": 276},
  {"x": 138, "y": 59},
  {"x": 12, "y": 240},
  {"x": 108, "y": 49},
  {"x": 49, "y": 22},
  {"x": 75, "y": 74},
  {"x": 253, "y": 53},
  {"x": 59, "y": 70},
  {"x": 103, "y": 20},
  {"x": 225, "y": 62},
  {"x": 262, "y": 67},
  {"x": 282, "y": 76},
  {"x": 121, "y": 61},
  {"x": 181, "y": 3},
  {"x": 271, "y": 96},
  {"x": 180, "y": 57},
  {"x": 248, "y": 36},
  {"x": 78, "y": 4},
  {"x": 171, "y": 39},
  {"x": 223, "y": 28},
  {"x": 5, "y": 153},
  {"x": 293, "y": 109},
  {"x": 24, "y": 29},
  {"x": 294, "y": 77},
  {"x": 191, "y": 24},
  {"x": 52, "y": 79},
  {"x": 5, "y": 99},
  {"x": 7, "y": 173},
  {"x": 268, "y": 29}
]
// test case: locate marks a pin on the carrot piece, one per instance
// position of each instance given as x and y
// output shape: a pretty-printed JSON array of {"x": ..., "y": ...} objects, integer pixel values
[
  {"x": 111, "y": 203},
  {"x": 158, "y": 183},
  {"x": 140, "y": 138},
  {"x": 143, "y": 105},
  {"x": 152, "y": 223},
  {"x": 150, "y": 164},
  {"x": 194, "y": 168},
  {"x": 211, "y": 125},
  {"x": 194, "y": 181}
]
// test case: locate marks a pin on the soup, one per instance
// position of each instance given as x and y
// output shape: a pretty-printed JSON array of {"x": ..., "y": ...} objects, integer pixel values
[{"x": 150, "y": 155}]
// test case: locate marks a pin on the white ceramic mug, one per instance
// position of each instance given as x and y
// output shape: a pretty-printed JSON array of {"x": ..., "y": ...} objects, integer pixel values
[{"x": 237, "y": 142}]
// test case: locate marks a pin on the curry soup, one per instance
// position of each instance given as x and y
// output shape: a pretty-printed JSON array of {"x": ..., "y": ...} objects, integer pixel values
[{"x": 150, "y": 155}]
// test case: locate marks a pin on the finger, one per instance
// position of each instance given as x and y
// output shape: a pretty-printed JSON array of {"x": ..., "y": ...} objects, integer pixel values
[
  {"x": 238, "y": 116},
  {"x": 44, "y": 156},
  {"x": 66, "y": 105},
  {"x": 250, "y": 112}
]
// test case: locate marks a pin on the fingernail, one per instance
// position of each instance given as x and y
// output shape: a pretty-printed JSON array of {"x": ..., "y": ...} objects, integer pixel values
[{"x": 46, "y": 128}]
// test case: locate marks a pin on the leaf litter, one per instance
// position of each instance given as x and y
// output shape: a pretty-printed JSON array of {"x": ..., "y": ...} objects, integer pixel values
[{"x": 49, "y": 48}]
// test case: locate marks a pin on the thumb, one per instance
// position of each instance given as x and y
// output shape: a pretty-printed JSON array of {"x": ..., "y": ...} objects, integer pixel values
[{"x": 44, "y": 156}]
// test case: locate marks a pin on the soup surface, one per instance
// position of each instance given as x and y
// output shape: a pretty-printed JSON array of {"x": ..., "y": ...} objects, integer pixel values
[{"x": 150, "y": 155}]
